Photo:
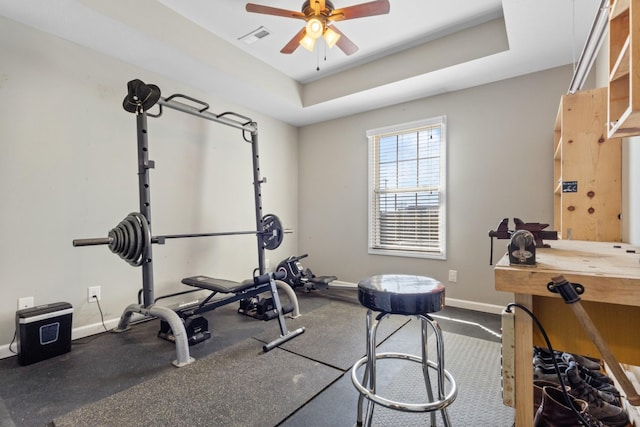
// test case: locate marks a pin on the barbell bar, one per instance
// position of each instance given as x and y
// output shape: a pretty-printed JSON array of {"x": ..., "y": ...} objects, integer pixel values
[{"x": 131, "y": 237}]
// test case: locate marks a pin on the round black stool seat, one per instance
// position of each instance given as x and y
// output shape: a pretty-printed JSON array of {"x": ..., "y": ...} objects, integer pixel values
[{"x": 401, "y": 294}]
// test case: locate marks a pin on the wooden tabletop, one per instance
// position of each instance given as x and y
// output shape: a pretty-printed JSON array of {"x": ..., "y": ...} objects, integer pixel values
[{"x": 609, "y": 272}]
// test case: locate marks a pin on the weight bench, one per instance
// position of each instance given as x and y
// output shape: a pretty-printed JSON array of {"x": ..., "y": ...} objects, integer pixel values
[{"x": 243, "y": 291}]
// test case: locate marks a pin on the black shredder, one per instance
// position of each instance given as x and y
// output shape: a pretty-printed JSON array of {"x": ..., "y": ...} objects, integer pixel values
[{"x": 43, "y": 332}]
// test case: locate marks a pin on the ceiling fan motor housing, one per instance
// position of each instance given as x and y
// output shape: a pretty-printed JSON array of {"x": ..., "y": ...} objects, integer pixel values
[{"x": 310, "y": 11}]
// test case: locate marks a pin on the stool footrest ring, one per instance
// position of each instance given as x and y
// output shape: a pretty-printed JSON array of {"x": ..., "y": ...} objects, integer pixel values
[{"x": 402, "y": 406}]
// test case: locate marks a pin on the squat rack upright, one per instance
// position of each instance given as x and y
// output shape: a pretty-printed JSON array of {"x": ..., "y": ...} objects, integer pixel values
[
  {"x": 139, "y": 91},
  {"x": 140, "y": 98}
]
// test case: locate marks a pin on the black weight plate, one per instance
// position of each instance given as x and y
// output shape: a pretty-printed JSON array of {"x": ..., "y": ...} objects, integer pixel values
[
  {"x": 138, "y": 248},
  {"x": 272, "y": 232},
  {"x": 145, "y": 242},
  {"x": 114, "y": 240},
  {"x": 118, "y": 232},
  {"x": 129, "y": 244}
]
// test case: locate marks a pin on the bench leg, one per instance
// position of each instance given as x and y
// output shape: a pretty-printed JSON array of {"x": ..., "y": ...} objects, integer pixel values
[
  {"x": 182, "y": 345},
  {"x": 285, "y": 335}
]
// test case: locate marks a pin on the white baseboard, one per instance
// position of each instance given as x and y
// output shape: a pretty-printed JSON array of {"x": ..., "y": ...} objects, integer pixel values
[
  {"x": 453, "y": 302},
  {"x": 96, "y": 328}
]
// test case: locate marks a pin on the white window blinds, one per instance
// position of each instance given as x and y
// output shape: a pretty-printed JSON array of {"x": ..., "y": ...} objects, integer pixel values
[{"x": 407, "y": 189}]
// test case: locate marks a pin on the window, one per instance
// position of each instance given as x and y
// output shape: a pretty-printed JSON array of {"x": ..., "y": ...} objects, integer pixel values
[{"x": 407, "y": 189}]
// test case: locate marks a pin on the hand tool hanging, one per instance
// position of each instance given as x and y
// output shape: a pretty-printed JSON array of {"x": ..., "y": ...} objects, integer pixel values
[{"x": 570, "y": 296}]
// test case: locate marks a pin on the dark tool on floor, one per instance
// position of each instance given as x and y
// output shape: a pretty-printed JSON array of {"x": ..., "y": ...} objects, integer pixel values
[
  {"x": 196, "y": 326},
  {"x": 570, "y": 296},
  {"x": 296, "y": 276},
  {"x": 537, "y": 230},
  {"x": 262, "y": 308}
]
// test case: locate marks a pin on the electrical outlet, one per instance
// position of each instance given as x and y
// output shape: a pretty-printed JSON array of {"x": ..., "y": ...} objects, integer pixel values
[
  {"x": 93, "y": 291},
  {"x": 267, "y": 263},
  {"x": 453, "y": 275},
  {"x": 25, "y": 302}
]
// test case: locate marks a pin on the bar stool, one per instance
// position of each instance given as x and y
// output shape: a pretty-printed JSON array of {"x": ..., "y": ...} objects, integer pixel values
[{"x": 398, "y": 294}]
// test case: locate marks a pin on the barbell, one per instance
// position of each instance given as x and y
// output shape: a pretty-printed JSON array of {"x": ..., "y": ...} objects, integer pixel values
[{"x": 132, "y": 236}]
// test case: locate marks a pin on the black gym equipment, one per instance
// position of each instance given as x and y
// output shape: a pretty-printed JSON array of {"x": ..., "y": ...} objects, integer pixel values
[
  {"x": 296, "y": 276},
  {"x": 132, "y": 239},
  {"x": 197, "y": 326}
]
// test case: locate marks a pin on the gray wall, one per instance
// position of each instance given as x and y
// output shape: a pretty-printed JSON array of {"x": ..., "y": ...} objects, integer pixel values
[
  {"x": 500, "y": 151},
  {"x": 68, "y": 170}
]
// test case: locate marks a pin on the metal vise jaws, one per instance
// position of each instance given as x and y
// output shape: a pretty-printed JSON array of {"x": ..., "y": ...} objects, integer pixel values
[{"x": 537, "y": 230}]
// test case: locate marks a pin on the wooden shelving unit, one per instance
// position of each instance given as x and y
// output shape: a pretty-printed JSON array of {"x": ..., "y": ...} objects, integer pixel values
[
  {"x": 587, "y": 170},
  {"x": 624, "y": 69}
]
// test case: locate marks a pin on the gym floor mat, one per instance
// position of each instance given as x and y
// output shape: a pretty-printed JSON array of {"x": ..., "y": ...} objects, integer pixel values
[
  {"x": 479, "y": 401},
  {"x": 238, "y": 386},
  {"x": 335, "y": 333}
]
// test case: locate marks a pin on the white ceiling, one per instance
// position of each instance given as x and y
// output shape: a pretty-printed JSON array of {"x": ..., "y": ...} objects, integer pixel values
[{"x": 421, "y": 48}]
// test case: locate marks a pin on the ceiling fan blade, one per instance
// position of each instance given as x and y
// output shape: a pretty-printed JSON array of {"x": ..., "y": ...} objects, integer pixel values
[
  {"x": 377, "y": 7},
  {"x": 344, "y": 43},
  {"x": 268, "y": 10},
  {"x": 294, "y": 42}
]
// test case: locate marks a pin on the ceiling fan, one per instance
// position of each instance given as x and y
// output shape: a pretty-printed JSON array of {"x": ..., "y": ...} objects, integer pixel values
[{"x": 320, "y": 16}]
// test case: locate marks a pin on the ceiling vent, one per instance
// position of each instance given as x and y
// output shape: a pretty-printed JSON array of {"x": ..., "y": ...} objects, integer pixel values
[{"x": 255, "y": 35}]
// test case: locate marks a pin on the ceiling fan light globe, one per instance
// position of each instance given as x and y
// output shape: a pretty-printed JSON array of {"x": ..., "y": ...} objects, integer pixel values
[
  {"x": 331, "y": 37},
  {"x": 314, "y": 28},
  {"x": 308, "y": 43}
]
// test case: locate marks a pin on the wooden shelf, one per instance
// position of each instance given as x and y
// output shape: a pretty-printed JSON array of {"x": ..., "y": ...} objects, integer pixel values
[
  {"x": 586, "y": 170},
  {"x": 624, "y": 58},
  {"x": 618, "y": 7},
  {"x": 620, "y": 68}
]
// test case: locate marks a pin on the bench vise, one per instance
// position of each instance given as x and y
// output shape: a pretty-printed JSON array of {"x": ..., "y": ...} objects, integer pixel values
[{"x": 535, "y": 228}]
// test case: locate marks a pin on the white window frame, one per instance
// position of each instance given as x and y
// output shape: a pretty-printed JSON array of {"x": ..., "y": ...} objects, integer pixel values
[{"x": 428, "y": 250}]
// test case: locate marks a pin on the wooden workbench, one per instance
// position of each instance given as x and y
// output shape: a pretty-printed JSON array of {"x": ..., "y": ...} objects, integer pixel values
[{"x": 611, "y": 278}]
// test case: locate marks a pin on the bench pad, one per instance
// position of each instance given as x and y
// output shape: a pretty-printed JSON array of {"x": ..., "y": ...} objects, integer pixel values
[{"x": 218, "y": 285}]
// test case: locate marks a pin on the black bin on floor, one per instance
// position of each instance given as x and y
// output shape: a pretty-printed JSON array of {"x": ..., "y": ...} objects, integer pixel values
[{"x": 43, "y": 332}]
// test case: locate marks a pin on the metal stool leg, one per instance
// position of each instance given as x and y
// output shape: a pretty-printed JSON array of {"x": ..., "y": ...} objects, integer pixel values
[
  {"x": 369, "y": 379},
  {"x": 367, "y": 387},
  {"x": 440, "y": 366},
  {"x": 425, "y": 366}
]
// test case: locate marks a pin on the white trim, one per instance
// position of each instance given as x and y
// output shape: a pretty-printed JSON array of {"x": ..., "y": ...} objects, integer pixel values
[
  {"x": 96, "y": 328},
  {"x": 373, "y": 135},
  {"x": 402, "y": 127}
]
